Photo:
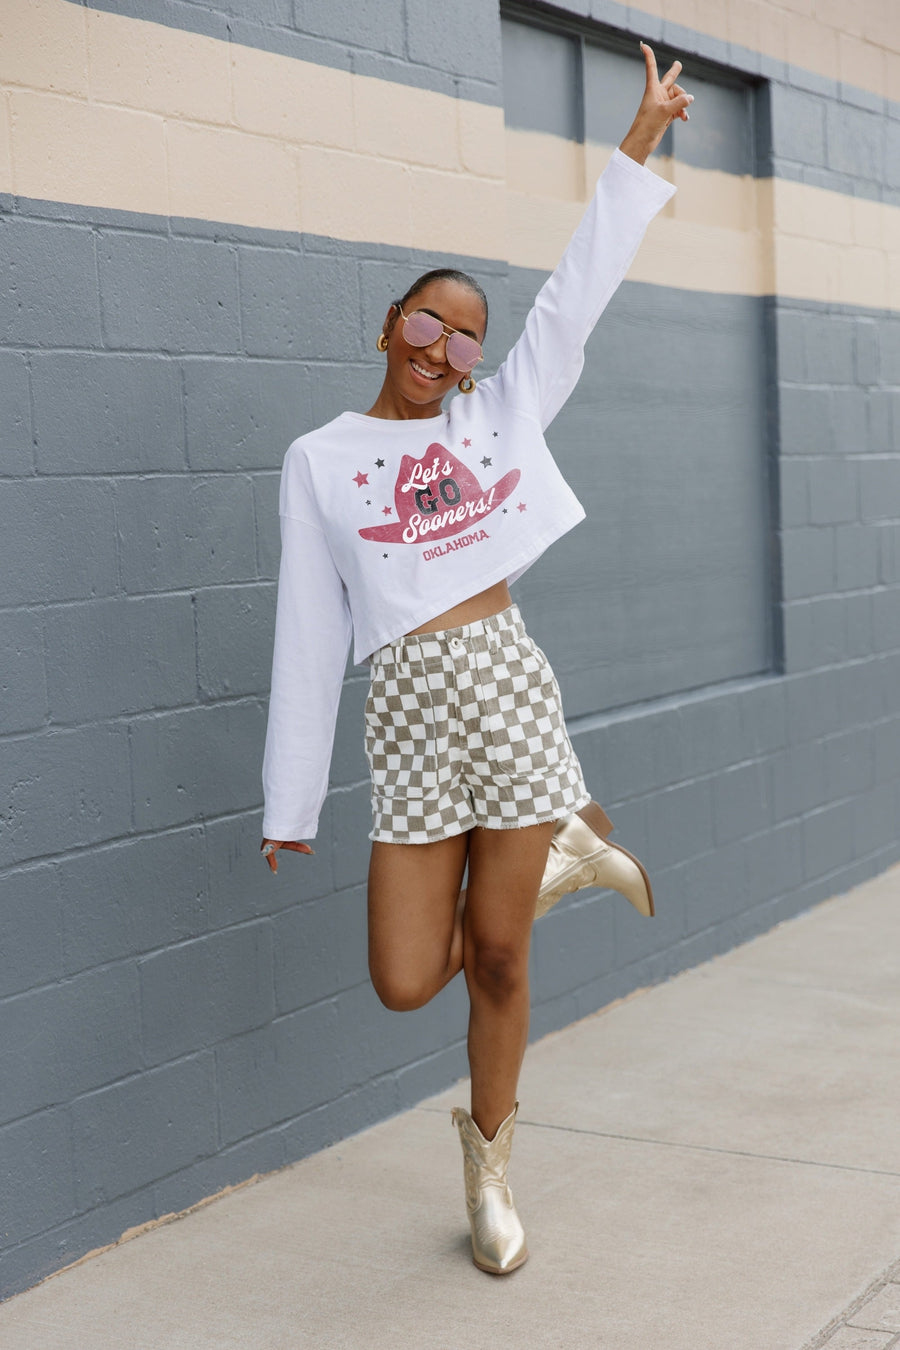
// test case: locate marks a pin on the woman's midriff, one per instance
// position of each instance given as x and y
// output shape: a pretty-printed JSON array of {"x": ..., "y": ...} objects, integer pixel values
[{"x": 481, "y": 606}]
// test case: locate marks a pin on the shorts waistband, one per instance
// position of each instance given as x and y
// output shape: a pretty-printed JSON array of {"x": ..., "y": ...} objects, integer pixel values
[{"x": 481, "y": 635}]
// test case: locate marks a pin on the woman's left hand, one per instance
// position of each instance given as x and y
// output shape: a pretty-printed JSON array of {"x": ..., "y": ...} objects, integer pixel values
[
  {"x": 269, "y": 849},
  {"x": 663, "y": 101}
]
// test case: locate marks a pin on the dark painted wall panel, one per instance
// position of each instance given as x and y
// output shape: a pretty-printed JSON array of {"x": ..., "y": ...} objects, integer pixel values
[
  {"x": 613, "y": 86},
  {"x": 721, "y": 133},
  {"x": 794, "y": 124},
  {"x": 663, "y": 440},
  {"x": 541, "y": 80},
  {"x": 555, "y": 84},
  {"x": 721, "y": 130}
]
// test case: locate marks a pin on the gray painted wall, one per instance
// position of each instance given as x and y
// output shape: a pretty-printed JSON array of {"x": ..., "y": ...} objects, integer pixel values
[
  {"x": 173, "y": 1019},
  {"x": 664, "y": 442}
]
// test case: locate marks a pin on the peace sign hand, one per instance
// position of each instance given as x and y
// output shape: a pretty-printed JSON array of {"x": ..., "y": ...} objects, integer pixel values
[{"x": 663, "y": 101}]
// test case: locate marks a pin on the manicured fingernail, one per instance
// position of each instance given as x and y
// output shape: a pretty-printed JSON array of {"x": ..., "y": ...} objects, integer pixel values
[{"x": 690, "y": 98}]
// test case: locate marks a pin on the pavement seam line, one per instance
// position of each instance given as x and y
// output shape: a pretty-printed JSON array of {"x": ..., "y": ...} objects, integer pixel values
[
  {"x": 697, "y": 1148},
  {"x": 821, "y": 1339}
]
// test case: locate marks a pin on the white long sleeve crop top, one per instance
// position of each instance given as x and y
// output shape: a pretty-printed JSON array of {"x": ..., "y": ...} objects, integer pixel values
[{"x": 385, "y": 524}]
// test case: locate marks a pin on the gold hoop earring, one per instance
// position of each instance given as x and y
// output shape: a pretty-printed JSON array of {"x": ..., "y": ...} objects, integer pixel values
[
  {"x": 466, "y": 384},
  {"x": 382, "y": 342}
]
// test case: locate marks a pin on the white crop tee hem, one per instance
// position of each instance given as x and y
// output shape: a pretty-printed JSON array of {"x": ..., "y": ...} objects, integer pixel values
[{"x": 385, "y": 524}]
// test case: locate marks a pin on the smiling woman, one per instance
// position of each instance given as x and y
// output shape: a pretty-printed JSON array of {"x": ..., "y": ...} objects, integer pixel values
[
  {"x": 470, "y": 759},
  {"x": 439, "y": 341}
]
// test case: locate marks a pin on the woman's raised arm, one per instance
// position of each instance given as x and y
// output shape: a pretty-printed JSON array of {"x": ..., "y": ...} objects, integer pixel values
[{"x": 543, "y": 367}]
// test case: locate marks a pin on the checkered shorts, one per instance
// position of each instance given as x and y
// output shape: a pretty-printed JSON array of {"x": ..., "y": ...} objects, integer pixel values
[{"x": 465, "y": 727}]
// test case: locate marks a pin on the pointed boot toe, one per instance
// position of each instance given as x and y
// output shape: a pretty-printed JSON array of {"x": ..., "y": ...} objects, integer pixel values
[
  {"x": 581, "y": 855},
  {"x": 619, "y": 870}
]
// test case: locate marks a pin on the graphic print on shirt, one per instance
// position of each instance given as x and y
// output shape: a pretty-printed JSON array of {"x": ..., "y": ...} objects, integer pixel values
[{"x": 437, "y": 496}]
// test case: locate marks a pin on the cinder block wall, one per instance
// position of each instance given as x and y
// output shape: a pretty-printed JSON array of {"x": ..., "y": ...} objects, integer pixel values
[{"x": 205, "y": 213}]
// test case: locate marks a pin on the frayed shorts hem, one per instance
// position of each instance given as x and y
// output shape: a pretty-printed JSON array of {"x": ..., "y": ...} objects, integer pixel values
[{"x": 385, "y": 836}]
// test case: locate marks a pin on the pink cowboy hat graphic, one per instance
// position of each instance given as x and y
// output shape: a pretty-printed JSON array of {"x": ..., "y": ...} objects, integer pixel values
[{"x": 437, "y": 496}]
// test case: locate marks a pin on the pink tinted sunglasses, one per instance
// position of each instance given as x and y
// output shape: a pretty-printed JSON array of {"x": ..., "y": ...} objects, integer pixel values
[{"x": 421, "y": 329}]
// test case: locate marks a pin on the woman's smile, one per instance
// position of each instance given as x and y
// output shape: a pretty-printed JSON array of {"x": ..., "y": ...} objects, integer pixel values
[{"x": 424, "y": 373}]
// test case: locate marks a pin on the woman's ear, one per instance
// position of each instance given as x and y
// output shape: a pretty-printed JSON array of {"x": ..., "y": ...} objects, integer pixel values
[{"x": 391, "y": 318}]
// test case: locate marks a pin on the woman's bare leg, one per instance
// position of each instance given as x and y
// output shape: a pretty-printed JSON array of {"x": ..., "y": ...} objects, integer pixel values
[
  {"x": 415, "y": 924},
  {"x": 417, "y": 943},
  {"x": 505, "y": 872}
]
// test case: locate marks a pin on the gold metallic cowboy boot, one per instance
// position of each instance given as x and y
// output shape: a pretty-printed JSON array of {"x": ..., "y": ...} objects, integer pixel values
[
  {"x": 580, "y": 856},
  {"x": 498, "y": 1239}
]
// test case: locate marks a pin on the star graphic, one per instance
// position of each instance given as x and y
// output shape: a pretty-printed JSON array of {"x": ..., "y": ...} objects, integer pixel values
[
  {"x": 387, "y": 511},
  {"x": 505, "y": 511},
  {"x": 486, "y": 461},
  {"x": 361, "y": 478},
  {"x": 379, "y": 464},
  {"x": 368, "y": 501},
  {"x": 384, "y": 555},
  {"x": 521, "y": 507},
  {"x": 467, "y": 442},
  {"x": 495, "y": 433}
]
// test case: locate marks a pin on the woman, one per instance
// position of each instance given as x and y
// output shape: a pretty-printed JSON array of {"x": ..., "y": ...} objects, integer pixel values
[{"x": 403, "y": 527}]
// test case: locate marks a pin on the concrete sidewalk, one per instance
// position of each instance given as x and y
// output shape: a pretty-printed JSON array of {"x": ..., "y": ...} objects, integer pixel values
[{"x": 713, "y": 1164}]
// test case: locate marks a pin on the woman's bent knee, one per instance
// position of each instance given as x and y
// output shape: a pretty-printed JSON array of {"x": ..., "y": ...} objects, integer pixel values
[
  {"x": 401, "y": 994},
  {"x": 497, "y": 970}
]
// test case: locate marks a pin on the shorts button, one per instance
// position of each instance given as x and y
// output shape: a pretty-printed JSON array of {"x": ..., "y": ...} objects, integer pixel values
[{"x": 456, "y": 644}]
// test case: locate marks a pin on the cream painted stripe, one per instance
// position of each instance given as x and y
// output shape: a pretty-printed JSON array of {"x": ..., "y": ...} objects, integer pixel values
[
  {"x": 856, "y": 42},
  {"x": 101, "y": 110},
  {"x": 834, "y": 248},
  {"x": 720, "y": 232},
  {"x": 105, "y": 110},
  {"x": 710, "y": 237}
]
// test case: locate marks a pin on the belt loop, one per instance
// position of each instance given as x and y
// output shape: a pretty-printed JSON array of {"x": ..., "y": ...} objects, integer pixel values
[
  {"x": 418, "y": 664},
  {"x": 404, "y": 657},
  {"x": 397, "y": 654}
]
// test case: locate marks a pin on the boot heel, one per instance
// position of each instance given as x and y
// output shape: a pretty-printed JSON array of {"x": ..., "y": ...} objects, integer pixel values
[{"x": 596, "y": 819}]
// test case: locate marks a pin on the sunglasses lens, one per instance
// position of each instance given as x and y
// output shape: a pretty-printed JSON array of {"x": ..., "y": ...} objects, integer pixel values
[
  {"x": 420, "y": 330},
  {"x": 462, "y": 352}
]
